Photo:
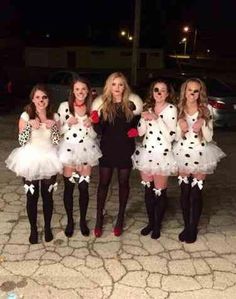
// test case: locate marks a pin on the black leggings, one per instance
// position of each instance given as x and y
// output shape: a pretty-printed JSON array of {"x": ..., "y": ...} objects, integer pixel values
[
  {"x": 105, "y": 175},
  {"x": 32, "y": 201}
]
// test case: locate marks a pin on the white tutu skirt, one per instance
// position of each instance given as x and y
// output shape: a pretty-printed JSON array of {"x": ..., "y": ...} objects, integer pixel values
[
  {"x": 158, "y": 162},
  {"x": 76, "y": 154},
  {"x": 200, "y": 159},
  {"x": 34, "y": 162}
]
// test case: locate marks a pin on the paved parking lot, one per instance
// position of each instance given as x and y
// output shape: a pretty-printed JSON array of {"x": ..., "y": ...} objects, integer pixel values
[{"x": 131, "y": 266}]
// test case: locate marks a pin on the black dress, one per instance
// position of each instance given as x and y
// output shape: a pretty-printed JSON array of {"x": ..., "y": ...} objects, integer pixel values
[{"x": 117, "y": 148}]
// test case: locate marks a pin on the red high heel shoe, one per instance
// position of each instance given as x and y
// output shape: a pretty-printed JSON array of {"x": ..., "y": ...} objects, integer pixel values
[
  {"x": 97, "y": 232},
  {"x": 117, "y": 231}
]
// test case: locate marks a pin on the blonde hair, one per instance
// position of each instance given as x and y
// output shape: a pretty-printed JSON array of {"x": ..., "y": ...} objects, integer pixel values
[
  {"x": 202, "y": 100},
  {"x": 108, "y": 108}
]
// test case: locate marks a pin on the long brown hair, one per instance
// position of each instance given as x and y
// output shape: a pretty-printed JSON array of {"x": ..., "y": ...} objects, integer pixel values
[
  {"x": 108, "y": 108},
  {"x": 202, "y": 100},
  {"x": 150, "y": 101},
  {"x": 31, "y": 109},
  {"x": 71, "y": 98}
]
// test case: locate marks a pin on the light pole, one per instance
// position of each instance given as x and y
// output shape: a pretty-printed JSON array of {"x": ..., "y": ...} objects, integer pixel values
[
  {"x": 184, "y": 41},
  {"x": 187, "y": 29},
  {"x": 195, "y": 41},
  {"x": 134, "y": 63}
]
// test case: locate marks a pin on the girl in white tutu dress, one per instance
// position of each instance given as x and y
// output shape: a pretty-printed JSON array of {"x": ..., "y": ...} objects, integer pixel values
[
  {"x": 78, "y": 151},
  {"x": 37, "y": 160},
  {"x": 195, "y": 152},
  {"x": 154, "y": 158}
]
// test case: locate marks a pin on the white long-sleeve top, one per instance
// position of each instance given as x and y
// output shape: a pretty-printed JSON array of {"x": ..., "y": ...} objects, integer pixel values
[
  {"x": 191, "y": 138},
  {"x": 159, "y": 132},
  {"x": 75, "y": 133}
]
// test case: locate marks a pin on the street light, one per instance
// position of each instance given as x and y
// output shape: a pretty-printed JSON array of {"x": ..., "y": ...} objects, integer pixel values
[
  {"x": 186, "y": 29},
  {"x": 126, "y": 35}
]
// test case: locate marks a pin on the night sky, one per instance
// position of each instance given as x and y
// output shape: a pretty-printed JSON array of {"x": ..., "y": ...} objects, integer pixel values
[{"x": 98, "y": 22}]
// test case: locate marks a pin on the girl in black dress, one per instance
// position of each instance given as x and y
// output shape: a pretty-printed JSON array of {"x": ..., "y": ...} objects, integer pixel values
[{"x": 119, "y": 111}]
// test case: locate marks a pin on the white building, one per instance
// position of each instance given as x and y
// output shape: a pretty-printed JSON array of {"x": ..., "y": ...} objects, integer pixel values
[{"x": 92, "y": 58}]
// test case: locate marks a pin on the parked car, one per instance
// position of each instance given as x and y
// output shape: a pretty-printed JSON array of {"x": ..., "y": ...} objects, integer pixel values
[
  {"x": 7, "y": 101},
  {"x": 59, "y": 83},
  {"x": 221, "y": 96}
]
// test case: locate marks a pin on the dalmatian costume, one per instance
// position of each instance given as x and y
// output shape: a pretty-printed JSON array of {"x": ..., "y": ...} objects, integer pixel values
[
  {"x": 38, "y": 163},
  {"x": 197, "y": 153},
  {"x": 154, "y": 155},
  {"x": 79, "y": 145},
  {"x": 38, "y": 158}
]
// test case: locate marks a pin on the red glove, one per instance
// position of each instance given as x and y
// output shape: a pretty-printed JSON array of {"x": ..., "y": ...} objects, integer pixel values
[
  {"x": 132, "y": 133},
  {"x": 94, "y": 117}
]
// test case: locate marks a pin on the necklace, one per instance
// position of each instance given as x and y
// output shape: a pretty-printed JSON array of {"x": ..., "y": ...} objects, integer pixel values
[{"x": 78, "y": 105}]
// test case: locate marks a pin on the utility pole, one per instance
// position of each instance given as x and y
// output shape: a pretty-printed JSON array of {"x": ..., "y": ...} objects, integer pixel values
[
  {"x": 135, "y": 50},
  {"x": 195, "y": 43}
]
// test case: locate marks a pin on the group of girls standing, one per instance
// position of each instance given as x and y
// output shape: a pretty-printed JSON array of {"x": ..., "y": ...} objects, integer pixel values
[{"x": 175, "y": 142}]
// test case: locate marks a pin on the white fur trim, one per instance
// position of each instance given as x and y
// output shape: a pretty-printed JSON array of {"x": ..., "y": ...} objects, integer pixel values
[
  {"x": 137, "y": 102},
  {"x": 97, "y": 104}
]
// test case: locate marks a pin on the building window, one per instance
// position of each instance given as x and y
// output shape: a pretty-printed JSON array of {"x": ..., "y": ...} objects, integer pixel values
[
  {"x": 125, "y": 53},
  {"x": 155, "y": 54},
  {"x": 71, "y": 59},
  {"x": 97, "y": 52},
  {"x": 143, "y": 60}
]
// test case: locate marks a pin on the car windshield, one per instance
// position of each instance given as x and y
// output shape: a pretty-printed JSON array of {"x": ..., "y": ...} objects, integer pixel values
[{"x": 218, "y": 88}]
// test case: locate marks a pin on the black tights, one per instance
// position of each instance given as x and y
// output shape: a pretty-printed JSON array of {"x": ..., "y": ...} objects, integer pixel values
[
  {"x": 83, "y": 204},
  {"x": 105, "y": 175},
  {"x": 32, "y": 205}
]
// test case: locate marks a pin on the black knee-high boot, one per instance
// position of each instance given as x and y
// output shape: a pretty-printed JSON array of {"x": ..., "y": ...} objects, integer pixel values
[
  {"x": 160, "y": 208},
  {"x": 149, "y": 203},
  {"x": 68, "y": 204},
  {"x": 195, "y": 212},
  {"x": 83, "y": 204},
  {"x": 47, "y": 187},
  {"x": 185, "y": 186},
  {"x": 32, "y": 195}
]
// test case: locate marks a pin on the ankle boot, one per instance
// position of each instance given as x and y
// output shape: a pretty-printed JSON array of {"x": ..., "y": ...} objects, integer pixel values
[{"x": 33, "y": 238}]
